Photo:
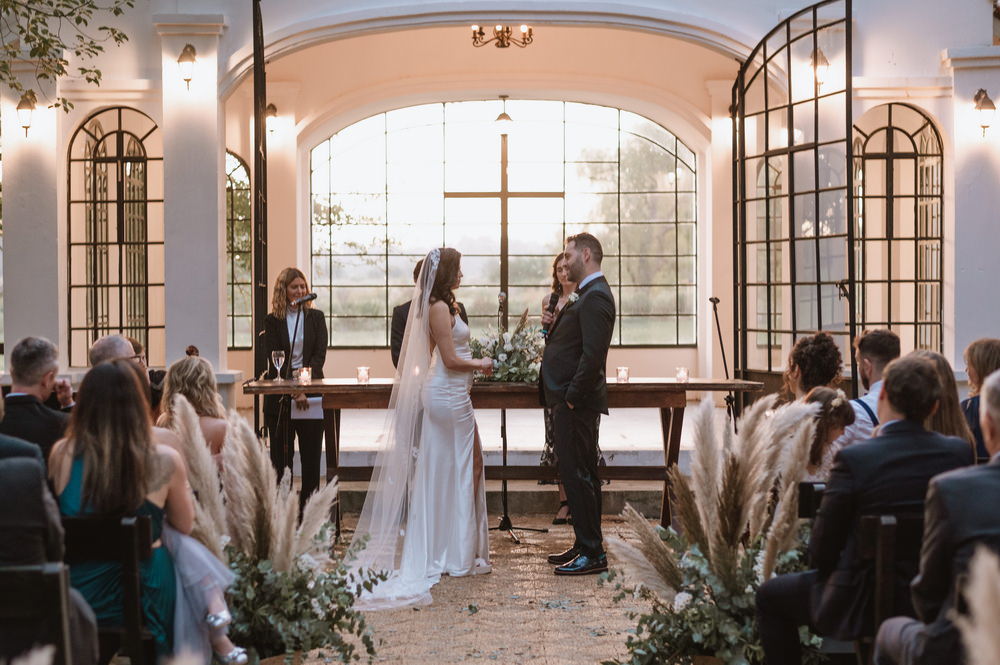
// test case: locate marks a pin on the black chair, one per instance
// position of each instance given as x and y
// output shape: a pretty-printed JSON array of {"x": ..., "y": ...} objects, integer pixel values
[
  {"x": 810, "y": 496},
  {"x": 34, "y": 609},
  {"x": 886, "y": 540},
  {"x": 128, "y": 541}
]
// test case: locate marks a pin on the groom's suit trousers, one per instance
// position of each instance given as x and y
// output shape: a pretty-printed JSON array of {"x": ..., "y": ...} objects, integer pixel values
[{"x": 575, "y": 444}]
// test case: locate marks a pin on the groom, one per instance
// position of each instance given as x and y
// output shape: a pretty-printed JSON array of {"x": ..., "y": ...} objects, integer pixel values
[{"x": 572, "y": 384}]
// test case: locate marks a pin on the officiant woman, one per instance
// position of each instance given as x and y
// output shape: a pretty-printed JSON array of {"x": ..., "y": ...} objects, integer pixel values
[{"x": 299, "y": 331}]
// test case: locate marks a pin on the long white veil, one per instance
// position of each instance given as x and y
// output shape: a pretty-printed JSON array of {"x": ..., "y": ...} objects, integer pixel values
[{"x": 384, "y": 516}]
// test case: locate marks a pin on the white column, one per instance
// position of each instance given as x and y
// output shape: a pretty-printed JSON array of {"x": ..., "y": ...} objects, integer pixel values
[
  {"x": 193, "y": 175},
  {"x": 718, "y": 237},
  {"x": 977, "y": 199},
  {"x": 33, "y": 301}
]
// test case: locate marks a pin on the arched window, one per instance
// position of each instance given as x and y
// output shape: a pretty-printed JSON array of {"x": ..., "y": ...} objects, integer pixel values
[
  {"x": 389, "y": 188},
  {"x": 115, "y": 253},
  {"x": 239, "y": 297},
  {"x": 898, "y": 223}
]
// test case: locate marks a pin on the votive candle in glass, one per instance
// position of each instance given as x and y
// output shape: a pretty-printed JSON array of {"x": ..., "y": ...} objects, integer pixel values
[
  {"x": 623, "y": 375},
  {"x": 682, "y": 375},
  {"x": 305, "y": 374},
  {"x": 363, "y": 375}
]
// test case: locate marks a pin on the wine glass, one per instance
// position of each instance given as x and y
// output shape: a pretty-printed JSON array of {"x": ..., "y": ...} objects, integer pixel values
[{"x": 278, "y": 358}]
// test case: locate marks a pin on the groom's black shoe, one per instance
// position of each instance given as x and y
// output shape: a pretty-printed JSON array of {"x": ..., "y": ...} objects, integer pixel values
[
  {"x": 564, "y": 557},
  {"x": 585, "y": 564}
]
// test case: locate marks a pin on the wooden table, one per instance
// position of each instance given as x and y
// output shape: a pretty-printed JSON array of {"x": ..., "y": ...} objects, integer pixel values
[{"x": 667, "y": 395}]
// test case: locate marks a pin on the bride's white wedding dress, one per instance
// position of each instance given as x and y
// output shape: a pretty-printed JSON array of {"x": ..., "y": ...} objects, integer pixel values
[{"x": 425, "y": 511}]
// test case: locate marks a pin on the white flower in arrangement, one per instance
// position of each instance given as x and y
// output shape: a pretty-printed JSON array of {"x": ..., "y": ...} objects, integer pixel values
[
  {"x": 502, "y": 357},
  {"x": 682, "y": 600},
  {"x": 573, "y": 297},
  {"x": 506, "y": 337},
  {"x": 508, "y": 348},
  {"x": 307, "y": 562},
  {"x": 317, "y": 608}
]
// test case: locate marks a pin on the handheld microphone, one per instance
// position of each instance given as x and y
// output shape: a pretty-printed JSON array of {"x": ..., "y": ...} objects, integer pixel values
[
  {"x": 551, "y": 309},
  {"x": 305, "y": 298}
]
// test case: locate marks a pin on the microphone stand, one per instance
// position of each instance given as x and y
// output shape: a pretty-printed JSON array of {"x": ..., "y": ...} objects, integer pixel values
[
  {"x": 288, "y": 445},
  {"x": 505, "y": 523},
  {"x": 729, "y": 399}
]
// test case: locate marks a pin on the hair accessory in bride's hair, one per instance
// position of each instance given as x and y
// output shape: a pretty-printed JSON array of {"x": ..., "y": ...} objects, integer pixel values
[
  {"x": 839, "y": 399},
  {"x": 435, "y": 257}
]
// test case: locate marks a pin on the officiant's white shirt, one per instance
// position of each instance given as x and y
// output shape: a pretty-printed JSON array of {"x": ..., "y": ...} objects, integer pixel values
[{"x": 296, "y": 359}]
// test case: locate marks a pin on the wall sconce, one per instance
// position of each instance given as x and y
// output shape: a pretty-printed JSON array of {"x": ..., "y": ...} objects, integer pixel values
[
  {"x": 24, "y": 109},
  {"x": 185, "y": 62},
  {"x": 503, "y": 36},
  {"x": 985, "y": 109},
  {"x": 270, "y": 117},
  {"x": 820, "y": 65}
]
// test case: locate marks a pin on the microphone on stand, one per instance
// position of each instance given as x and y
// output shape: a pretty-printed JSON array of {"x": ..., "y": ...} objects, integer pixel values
[
  {"x": 305, "y": 298},
  {"x": 551, "y": 309}
]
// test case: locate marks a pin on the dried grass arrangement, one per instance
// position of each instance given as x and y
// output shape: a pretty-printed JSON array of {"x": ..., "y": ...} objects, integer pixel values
[
  {"x": 291, "y": 593},
  {"x": 979, "y": 624},
  {"x": 703, "y": 576}
]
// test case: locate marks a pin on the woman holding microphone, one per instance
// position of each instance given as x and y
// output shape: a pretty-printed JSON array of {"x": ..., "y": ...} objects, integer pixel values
[{"x": 295, "y": 337}]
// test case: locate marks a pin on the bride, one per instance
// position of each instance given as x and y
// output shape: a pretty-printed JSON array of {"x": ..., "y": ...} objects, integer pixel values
[{"x": 425, "y": 511}]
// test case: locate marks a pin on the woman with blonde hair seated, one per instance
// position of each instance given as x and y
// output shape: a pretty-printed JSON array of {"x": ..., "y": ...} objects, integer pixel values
[{"x": 194, "y": 378}]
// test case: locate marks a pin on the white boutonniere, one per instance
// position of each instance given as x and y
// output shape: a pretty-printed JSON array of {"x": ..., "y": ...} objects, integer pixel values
[{"x": 573, "y": 297}]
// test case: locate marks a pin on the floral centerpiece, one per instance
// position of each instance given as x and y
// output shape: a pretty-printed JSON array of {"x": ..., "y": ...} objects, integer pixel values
[
  {"x": 291, "y": 594},
  {"x": 516, "y": 354},
  {"x": 702, "y": 581}
]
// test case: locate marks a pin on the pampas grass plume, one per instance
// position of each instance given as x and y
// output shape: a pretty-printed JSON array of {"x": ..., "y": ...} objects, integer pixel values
[
  {"x": 652, "y": 547},
  {"x": 314, "y": 516},
  {"x": 786, "y": 516},
  {"x": 705, "y": 468},
  {"x": 982, "y": 592},
  {"x": 285, "y": 514},
  {"x": 638, "y": 569}
]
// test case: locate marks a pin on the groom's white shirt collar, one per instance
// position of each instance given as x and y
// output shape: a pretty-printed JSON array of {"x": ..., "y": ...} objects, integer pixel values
[{"x": 588, "y": 279}]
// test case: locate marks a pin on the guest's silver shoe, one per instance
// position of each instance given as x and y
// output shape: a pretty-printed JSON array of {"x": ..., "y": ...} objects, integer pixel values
[
  {"x": 236, "y": 656},
  {"x": 220, "y": 620}
]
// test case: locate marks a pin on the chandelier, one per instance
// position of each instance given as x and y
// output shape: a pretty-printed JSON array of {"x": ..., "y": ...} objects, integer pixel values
[{"x": 503, "y": 36}]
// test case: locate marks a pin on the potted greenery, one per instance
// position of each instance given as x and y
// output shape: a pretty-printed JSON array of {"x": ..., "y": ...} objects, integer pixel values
[{"x": 702, "y": 577}]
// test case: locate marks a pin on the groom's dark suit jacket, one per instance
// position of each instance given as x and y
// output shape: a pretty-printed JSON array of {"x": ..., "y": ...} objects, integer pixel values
[{"x": 577, "y": 350}]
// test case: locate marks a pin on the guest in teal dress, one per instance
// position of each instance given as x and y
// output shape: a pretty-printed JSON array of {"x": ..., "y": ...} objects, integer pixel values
[{"x": 109, "y": 465}]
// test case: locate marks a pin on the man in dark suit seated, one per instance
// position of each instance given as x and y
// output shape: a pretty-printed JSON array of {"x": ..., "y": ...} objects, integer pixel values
[
  {"x": 31, "y": 533},
  {"x": 887, "y": 474},
  {"x": 960, "y": 515},
  {"x": 34, "y": 363},
  {"x": 401, "y": 312}
]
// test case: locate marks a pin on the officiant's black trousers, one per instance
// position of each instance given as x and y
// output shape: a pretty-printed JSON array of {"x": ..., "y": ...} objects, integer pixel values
[
  {"x": 282, "y": 435},
  {"x": 575, "y": 444}
]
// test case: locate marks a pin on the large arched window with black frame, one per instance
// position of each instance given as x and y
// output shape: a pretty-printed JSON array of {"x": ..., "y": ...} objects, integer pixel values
[
  {"x": 239, "y": 283},
  {"x": 388, "y": 188},
  {"x": 898, "y": 222},
  {"x": 115, "y": 237}
]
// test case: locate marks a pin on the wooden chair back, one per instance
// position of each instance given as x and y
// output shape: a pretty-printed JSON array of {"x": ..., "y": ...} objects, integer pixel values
[{"x": 34, "y": 609}]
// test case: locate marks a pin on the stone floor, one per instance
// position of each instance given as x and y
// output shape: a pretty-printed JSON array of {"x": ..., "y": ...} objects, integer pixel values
[{"x": 519, "y": 613}]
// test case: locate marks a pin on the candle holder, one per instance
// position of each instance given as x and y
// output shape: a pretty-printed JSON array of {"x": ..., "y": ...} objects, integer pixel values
[
  {"x": 363, "y": 375},
  {"x": 305, "y": 374},
  {"x": 682, "y": 375},
  {"x": 623, "y": 375}
]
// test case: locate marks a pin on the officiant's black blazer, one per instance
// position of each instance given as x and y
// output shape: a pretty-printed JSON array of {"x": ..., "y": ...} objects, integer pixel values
[
  {"x": 888, "y": 474},
  {"x": 576, "y": 350},
  {"x": 314, "y": 342}
]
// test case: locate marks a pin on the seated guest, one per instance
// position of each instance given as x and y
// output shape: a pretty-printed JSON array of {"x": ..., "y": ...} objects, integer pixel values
[
  {"x": 835, "y": 415},
  {"x": 887, "y": 474},
  {"x": 814, "y": 361},
  {"x": 34, "y": 363},
  {"x": 982, "y": 358},
  {"x": 873, "y": 350},
  {"x": 399, "y": 315},
  {"x": 948, "y": 419},
  {"x": 960, "y": 515},
  {"x": 194, "y": 378},
  {"x": 108, "y": 464},
  {"x": 30, "y": 534},
  {"x": 117, "y": 347},
  {"x": 156, "y": 376}
]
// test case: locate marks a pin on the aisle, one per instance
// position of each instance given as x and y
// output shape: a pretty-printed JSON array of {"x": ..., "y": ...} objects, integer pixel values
[{"x": 520, "y": 613}]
